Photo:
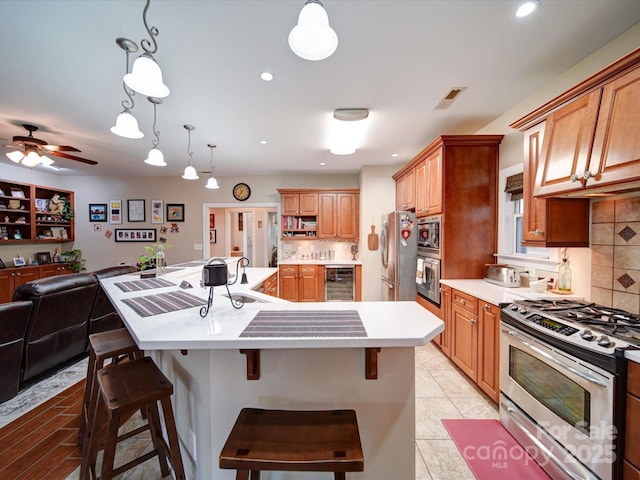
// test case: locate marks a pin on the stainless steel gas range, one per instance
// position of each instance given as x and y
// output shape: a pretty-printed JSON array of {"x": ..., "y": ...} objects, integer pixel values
[{"x": 563, "y": 383}]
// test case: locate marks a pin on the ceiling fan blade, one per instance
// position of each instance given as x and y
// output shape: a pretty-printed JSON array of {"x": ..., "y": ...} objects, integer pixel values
[
  {"x": 73, "y": 157},
  {"x": 61, "y": 148}
]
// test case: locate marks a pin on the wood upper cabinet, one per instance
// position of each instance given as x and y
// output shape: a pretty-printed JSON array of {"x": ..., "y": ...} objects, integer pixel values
[
  {"x": 338, "y": 216},
  {"x": 406, "y": 190},
  {"x": 592, "y": 134},
  {"x": 428, "y": 183},
  {"x": 304, "y": 203},
  {"x": 549, "y": 222},
  {"x": 567, "y": 144},
  {"x": 302, "y": 283}
]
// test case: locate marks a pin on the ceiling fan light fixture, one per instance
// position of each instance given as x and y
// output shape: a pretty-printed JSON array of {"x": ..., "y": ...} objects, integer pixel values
[
  {"x": 127, "y": 126},
  {"x": 190, "y": 173},
  {"x": 146, "y": 77},
  {"x": 312, "y": 38},
  {"x": 212, "y": 183},
  {"x": 46, "y": 161},
  {"x": 31, "y": 159},
  {"x": 155, "y": 158},
  {"x": 15, "y": 156}
]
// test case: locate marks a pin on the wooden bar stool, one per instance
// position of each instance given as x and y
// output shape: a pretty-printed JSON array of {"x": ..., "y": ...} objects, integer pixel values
[
  {"x": 298, "y": 441},
  {"x": 124, "y": 389},
  {"x": 114, "y": 345}
]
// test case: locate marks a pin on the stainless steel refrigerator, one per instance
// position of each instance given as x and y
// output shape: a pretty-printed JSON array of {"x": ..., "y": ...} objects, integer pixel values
[{"x": 399, "y": 248}]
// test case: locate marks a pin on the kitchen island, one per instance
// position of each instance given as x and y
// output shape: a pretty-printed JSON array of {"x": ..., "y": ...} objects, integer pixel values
[{"x": 217, "y": 370}]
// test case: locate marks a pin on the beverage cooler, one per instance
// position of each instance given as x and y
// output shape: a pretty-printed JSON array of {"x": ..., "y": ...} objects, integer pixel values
[{"x": 339, "y": 284}]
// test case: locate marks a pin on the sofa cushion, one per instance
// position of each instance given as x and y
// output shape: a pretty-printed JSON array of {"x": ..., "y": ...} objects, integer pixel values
[{"x": 14, "y": 317}]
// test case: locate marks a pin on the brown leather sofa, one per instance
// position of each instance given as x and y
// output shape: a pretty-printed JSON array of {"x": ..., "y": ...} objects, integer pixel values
[
  {"x": 103, "y": 316},
  {"x": 58, "y": 326},
  {"x": 14, "y": 318}
]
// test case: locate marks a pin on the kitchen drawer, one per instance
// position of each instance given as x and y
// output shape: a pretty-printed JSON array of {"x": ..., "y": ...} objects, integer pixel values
[
  {"x": 633, "y": 379},
  {"x": 632, "y": 438},
  {"x": 309, "y": 269},
  {"x": 288, "y": 269},
  {"x": 270, "y": 285},
  {"x": 468, "y": 302}
]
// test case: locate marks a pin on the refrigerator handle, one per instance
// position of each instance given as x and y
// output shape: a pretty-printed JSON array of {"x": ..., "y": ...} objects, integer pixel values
[
  {"x": 384, "y": 244},
  {"x": 388, "y": 284}
]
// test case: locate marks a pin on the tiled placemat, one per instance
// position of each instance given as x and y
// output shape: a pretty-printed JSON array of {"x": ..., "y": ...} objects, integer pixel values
[
  {"x": 305, "y": 323},
  {"x": 149, "y": 305},
  {"x": 146, "y": 284}
]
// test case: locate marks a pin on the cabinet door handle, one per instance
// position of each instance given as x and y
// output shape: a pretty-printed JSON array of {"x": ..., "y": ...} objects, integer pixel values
[
  {"x": 462, "y": 301},
  {"x": 573, "y": 178},
  {"x": 587, "y": 175},
  {"x": 486, "y": 307},
  {"x": 473, "y": 321},
  {"x": 538, "y": 232},
  {"x": 18, "y": 274}
]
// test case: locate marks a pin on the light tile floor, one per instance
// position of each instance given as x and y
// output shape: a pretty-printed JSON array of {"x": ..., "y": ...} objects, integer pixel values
[{"x": 442, "y": 391}]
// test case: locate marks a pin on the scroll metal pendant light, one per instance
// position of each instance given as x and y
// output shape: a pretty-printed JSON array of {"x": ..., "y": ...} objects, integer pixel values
[
  {"x": 155, "y": 157},
  {"x": 312, "y": 38},
  {"x": 126, "y": 124},
  {"x": 212, "y": 183},
  {"x": 146, "y": 76},
  {"x": 190, "y": 171}
]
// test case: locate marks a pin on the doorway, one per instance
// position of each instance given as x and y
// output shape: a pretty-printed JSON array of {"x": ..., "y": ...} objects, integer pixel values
[{"x": 249, "y": 230}]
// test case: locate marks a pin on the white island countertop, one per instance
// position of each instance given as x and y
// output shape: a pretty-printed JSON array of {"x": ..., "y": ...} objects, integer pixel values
[{"x": 387, "y": 324}]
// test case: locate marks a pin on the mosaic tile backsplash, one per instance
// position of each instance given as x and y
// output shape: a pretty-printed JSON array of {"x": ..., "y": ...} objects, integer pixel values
[{"x": 615, "y": 253}]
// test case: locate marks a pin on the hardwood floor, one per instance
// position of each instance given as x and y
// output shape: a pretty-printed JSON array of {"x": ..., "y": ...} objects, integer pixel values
[{"x": 41, "y": 444}]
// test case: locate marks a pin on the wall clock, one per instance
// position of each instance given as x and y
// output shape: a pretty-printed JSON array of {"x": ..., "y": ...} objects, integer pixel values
[{"x": 241, "y": 191}]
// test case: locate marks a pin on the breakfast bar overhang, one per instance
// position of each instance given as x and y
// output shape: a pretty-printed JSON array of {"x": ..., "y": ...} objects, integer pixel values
[{"x": 202, "y": 357}]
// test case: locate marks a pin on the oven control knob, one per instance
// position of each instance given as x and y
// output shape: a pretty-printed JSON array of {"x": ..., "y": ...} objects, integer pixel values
[
  {"x": 513, "y": 306},
  {"x": 604, "y": 341},
  {"x": 587, "y": 335},
  {"x": 522, "y": 310}
]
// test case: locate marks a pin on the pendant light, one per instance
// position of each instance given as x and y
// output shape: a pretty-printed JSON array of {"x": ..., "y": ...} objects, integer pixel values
[
  {"x": 312, "y": 38},
  {"x": 146, "y": 76},
  {"x": 190, "y": 171},
  {"x": 126, "y": 124},
  {"x": 212, "y": 183},
  {"x": 155, "y": 157}
]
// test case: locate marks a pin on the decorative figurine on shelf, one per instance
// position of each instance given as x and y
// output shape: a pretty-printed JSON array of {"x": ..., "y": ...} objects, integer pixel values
[{"x": 55, "y": 204}]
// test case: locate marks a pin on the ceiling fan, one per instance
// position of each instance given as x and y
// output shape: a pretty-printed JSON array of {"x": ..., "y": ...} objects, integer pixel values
[{"x": 32, "y": 151}]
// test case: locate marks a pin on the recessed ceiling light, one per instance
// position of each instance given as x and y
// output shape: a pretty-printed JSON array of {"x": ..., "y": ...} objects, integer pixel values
[
  {"x": 263, "y": 142},
  {"x": 394, "y": 155},
  {"x": 266, "y": 76},
  {"x": 527, "y": 8},
  {"x": 322, "y": 164}
]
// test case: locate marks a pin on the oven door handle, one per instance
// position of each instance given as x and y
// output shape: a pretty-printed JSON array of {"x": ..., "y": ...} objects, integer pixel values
[
  {"x": 513, "y": 414},
  {"x": 560, "y": 363}
]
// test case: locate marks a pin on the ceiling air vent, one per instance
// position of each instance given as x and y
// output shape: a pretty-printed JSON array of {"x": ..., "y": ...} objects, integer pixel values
[{"x": 448, "y": 99}]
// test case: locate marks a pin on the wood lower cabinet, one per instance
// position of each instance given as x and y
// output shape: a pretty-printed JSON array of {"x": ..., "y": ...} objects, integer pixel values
[
  {"x": 301, "y": 283},
  {"x": 632, "y": 433},
  {"x": 474, "y": 339},
  {"x": 52, "y": 270},
  {"x": 442, "y": 340},
  {"x": 270, "y": 285},
  {"x": 12, "y": 278},
  {"x": 549, "y": 222}
]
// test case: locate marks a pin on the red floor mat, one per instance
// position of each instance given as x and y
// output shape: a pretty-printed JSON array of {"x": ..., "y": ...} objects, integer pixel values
[{"x": 491, "y": 452}]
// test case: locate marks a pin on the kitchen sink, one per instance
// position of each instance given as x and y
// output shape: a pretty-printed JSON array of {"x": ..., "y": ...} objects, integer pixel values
[{"x": 245, "y": 298}]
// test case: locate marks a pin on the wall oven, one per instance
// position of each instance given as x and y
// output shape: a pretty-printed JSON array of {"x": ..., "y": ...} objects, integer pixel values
[
  {"x": 428, "y": 277},
  {"x": 562, "y": 388}
]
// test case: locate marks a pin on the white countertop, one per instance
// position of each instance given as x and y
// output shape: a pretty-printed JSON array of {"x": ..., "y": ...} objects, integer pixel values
[
  {"x": 294, "y": 261},
  {"x": 496, "y": 294},
  {"x": 388, "y": 324}
]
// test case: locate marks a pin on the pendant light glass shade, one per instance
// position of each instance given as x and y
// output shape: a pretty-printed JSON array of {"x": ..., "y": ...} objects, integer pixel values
[
  {"x": 46, "y": 161},
  {"x": 127, "y": 126},
  {"x": 15, "y": 156},
  {"x": 31, "y": 159},
  {"x": 146, "y": 77},
  {"x": 190, "y": 173},
  {"x": 212, "y": 183},
  {"x": 155, "y": 158},
  {"x": 312, "y": 38}
]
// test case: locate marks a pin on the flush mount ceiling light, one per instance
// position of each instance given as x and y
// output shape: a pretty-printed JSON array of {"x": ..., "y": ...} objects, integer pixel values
[
  {"x": 347, "y": 130},
  {"x": 312, "y": 38},
  {"x": 155, "y": 157},
  {"x": 190, "y": 171},
  {"x": 527, "y": 8},
  {"x": 126, "y": 124},
  {"x": 212, "y": 183},
  {"x": 146, "y": 76}
]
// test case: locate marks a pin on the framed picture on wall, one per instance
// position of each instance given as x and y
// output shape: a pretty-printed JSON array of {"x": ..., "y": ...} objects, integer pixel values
[
  {"x": 175, "y": 212},
  {"x": 213, "y": 237},
  {"x": 135, "y": 234},
  {"x": 97, "y": 212},
  {"x": 135, "y": 209},
  {"x": 157, "y": 211},
  {"x": 115, "y": 211}
]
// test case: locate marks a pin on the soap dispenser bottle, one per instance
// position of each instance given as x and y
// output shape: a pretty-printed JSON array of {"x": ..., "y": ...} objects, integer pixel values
[{"x": 564, "y": 276}]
